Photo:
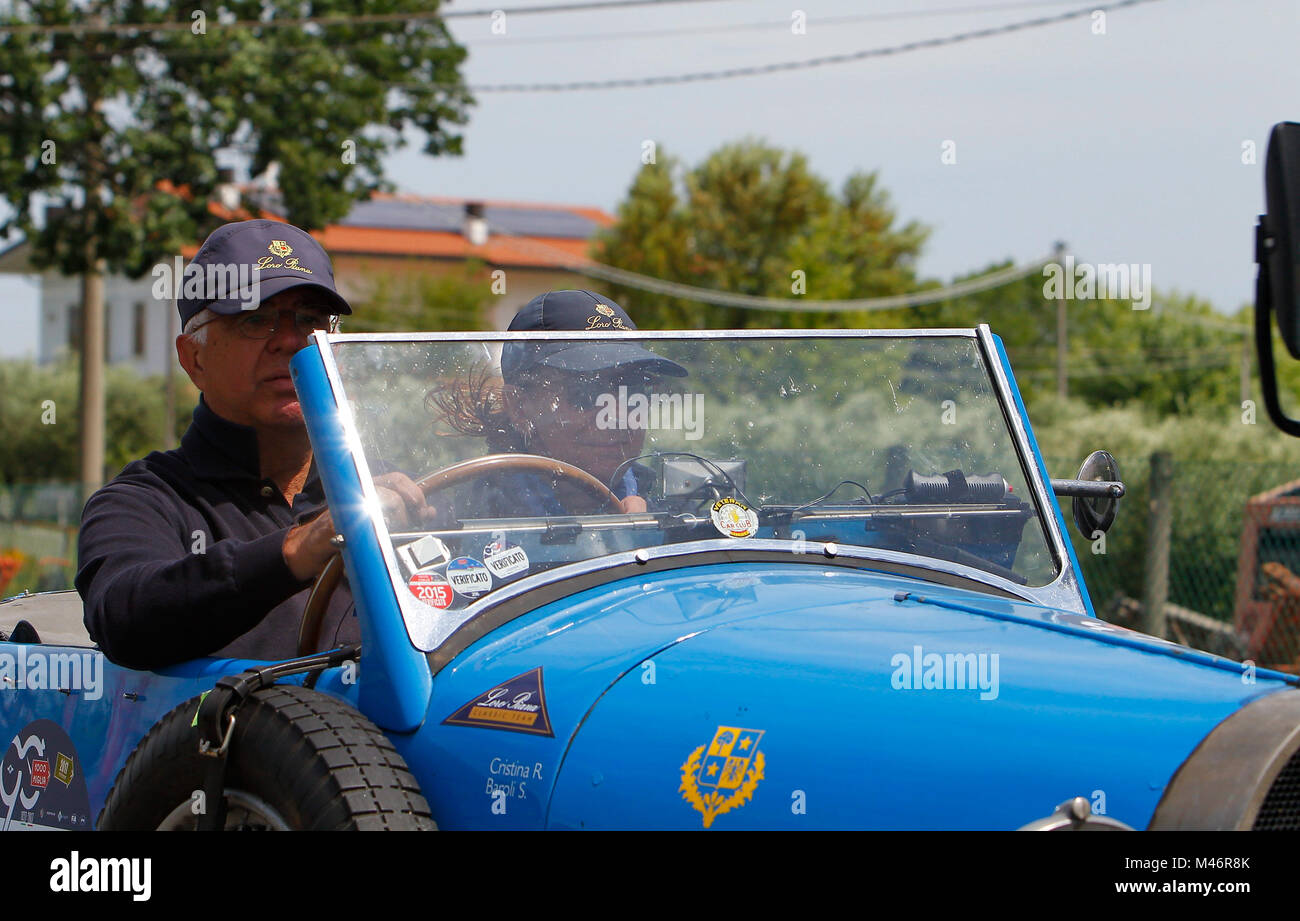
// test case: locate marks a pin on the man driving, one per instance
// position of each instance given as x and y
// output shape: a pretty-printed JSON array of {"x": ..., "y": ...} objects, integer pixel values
[
  {"x": 209, "y": 549},
  {"x": 551, "y": 398}
]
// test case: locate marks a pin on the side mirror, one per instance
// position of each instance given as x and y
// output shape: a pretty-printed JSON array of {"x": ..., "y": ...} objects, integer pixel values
[
  {"x": 1277, "y": 252},
  {"x": 1096, "y": 493}
]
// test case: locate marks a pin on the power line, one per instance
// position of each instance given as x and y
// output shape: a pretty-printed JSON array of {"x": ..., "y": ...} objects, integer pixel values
[
  {"x": 806, "y": 64},
  {"x": 136, "y": 28},
  {"x": 641, "y": 282},
  {"x": 503, "y": 41}
]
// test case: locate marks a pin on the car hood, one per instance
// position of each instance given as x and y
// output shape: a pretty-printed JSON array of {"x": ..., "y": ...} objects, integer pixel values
[{"x": 874, "y": 700}]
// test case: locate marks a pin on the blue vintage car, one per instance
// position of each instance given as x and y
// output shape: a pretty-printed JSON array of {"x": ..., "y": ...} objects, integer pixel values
[{"x": 845, "y": 599}]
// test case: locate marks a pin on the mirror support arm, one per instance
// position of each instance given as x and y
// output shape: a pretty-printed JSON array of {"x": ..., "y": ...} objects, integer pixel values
[
  {"x": 1264, "y": 334},
  {"x": 1089, "y": 489}
]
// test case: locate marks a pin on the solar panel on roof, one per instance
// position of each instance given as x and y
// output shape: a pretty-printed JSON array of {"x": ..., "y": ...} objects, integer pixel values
[
  {"x": 449, "y": 216},
  {"x": 540, "y": 222}
]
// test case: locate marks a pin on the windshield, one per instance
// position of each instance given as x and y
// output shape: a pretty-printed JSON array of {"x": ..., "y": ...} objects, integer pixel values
[{"x": 541, "y": 453}]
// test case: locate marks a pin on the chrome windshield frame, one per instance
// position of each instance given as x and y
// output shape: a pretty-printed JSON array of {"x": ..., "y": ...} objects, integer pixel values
[{"x": 429, "y": 630}]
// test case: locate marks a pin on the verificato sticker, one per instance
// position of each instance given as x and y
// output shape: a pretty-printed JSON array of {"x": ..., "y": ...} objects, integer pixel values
[
  {"x": 468, "y": 576},
  {"x": 505, "y": 559}
]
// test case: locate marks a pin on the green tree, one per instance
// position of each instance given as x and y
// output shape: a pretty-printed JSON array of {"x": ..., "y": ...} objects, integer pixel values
[
  {"x": 424, "y": 303},
  {"x": 94, "y": 116},
  {"x": 753, "y": 219},
  {"x": 39, "y": 426}
]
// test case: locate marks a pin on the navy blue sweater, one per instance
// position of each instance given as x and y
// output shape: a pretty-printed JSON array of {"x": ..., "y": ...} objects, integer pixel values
[{"x": 180, "y": 555}]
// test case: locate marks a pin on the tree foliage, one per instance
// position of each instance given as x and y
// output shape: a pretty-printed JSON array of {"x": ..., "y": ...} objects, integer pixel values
[
  {"x": 93, "y": 123},
  {"x": 753, "y": 219},
  {"x": 424, "y": 302},
  {"x": 39, "y": 425}
]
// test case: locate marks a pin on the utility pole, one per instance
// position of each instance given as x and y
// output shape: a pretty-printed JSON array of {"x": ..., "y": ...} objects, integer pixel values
[
  {"x": 92, "y": 305},
  {"x": 92, "y": 375},
  {"x": 1062, "y": 381}
]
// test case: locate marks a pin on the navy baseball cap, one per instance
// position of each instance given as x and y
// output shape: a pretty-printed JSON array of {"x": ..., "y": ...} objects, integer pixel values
[
  {"x": 242, "y": 264},
  {"x": 577, "y": 310}
]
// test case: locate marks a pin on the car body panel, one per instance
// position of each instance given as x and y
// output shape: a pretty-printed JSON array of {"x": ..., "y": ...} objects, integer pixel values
[
  {"x": 640, "y": 673},
  {"x": 106, "y": 721}
]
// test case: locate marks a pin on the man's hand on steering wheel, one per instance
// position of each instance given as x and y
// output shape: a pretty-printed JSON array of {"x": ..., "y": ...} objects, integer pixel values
[
  {"x": 404, "y": 502},
  {"x": 308, "y": 547},
  {"x": 633, "y": 505}
]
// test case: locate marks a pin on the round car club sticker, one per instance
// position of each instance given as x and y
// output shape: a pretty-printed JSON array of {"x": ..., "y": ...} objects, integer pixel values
[
  {"x": 733, "y": 518},
  {"x": 468, "y": 576},
  {"x": 505, "y": 559},
  {"x": 431, "y": 588}
]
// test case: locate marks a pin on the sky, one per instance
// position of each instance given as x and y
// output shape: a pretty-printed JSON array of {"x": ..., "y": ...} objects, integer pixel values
[{"x": 1127, "y": 144}]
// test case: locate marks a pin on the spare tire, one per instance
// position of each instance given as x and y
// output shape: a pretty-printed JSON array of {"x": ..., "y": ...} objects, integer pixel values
[{"x": 298, "y": 759}]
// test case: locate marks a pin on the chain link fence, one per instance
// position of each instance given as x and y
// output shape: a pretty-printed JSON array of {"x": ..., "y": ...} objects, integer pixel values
[{"x": 1200, "y": 558}]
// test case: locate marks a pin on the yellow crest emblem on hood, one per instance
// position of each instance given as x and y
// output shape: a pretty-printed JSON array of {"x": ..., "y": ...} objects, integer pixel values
[{"x": 723, "y": 776}]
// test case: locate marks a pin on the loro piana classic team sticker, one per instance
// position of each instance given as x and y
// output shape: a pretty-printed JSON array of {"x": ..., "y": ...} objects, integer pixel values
[{"x": 517, "y": 705}]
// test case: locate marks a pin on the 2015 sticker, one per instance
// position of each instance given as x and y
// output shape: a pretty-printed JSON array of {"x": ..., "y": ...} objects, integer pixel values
[{"x": 431, "y": 588}]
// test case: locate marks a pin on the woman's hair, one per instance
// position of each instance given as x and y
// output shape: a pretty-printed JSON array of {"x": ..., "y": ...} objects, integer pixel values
[{"x": 474, "y": 405}]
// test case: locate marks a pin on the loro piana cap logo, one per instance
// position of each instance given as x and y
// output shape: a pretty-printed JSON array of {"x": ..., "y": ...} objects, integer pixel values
[
  {"x": 280, "y": 248},
  {"x": 607, "y": 311}
]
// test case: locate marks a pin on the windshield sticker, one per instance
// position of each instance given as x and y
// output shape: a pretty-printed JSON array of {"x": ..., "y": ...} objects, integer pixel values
[
  {"x": 505, "y": 559},
  {"x": 432, "y": 589},
  {"x": 518, "y": 705},
  {"x": 726, "y": 776},
  {"x": 423, "y": 554},
  {"x": 468, "y": 576},
  {"x": 733, "y": 518},
  {"x": 41, "y": 782}
]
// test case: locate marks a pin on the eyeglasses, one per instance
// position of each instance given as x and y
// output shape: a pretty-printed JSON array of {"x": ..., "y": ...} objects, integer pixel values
[
  {"x": 265, "y": 325},
  {"x": 583, "y": 391}
]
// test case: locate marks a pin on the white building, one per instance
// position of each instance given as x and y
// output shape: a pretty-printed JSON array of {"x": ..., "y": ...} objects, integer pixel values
[{"x": 389, "y": 236}]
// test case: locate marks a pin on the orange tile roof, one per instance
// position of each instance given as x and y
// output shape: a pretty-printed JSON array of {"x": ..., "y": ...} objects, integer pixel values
[
  {"x": 499, "y": 250},
  {"x": 539, "y": 252}
]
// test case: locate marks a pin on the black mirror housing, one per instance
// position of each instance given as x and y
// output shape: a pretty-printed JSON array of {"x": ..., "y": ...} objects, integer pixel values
[
  {"x": 1280, "y": 229},
  {"x": 1092, "y": 513}
]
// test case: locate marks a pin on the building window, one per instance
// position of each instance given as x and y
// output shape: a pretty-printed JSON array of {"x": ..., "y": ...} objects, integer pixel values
[{"x": 138, "y": 330}]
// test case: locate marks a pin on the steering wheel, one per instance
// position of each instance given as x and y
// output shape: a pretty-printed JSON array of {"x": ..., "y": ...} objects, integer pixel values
[{"x": 313, "y": 613}]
